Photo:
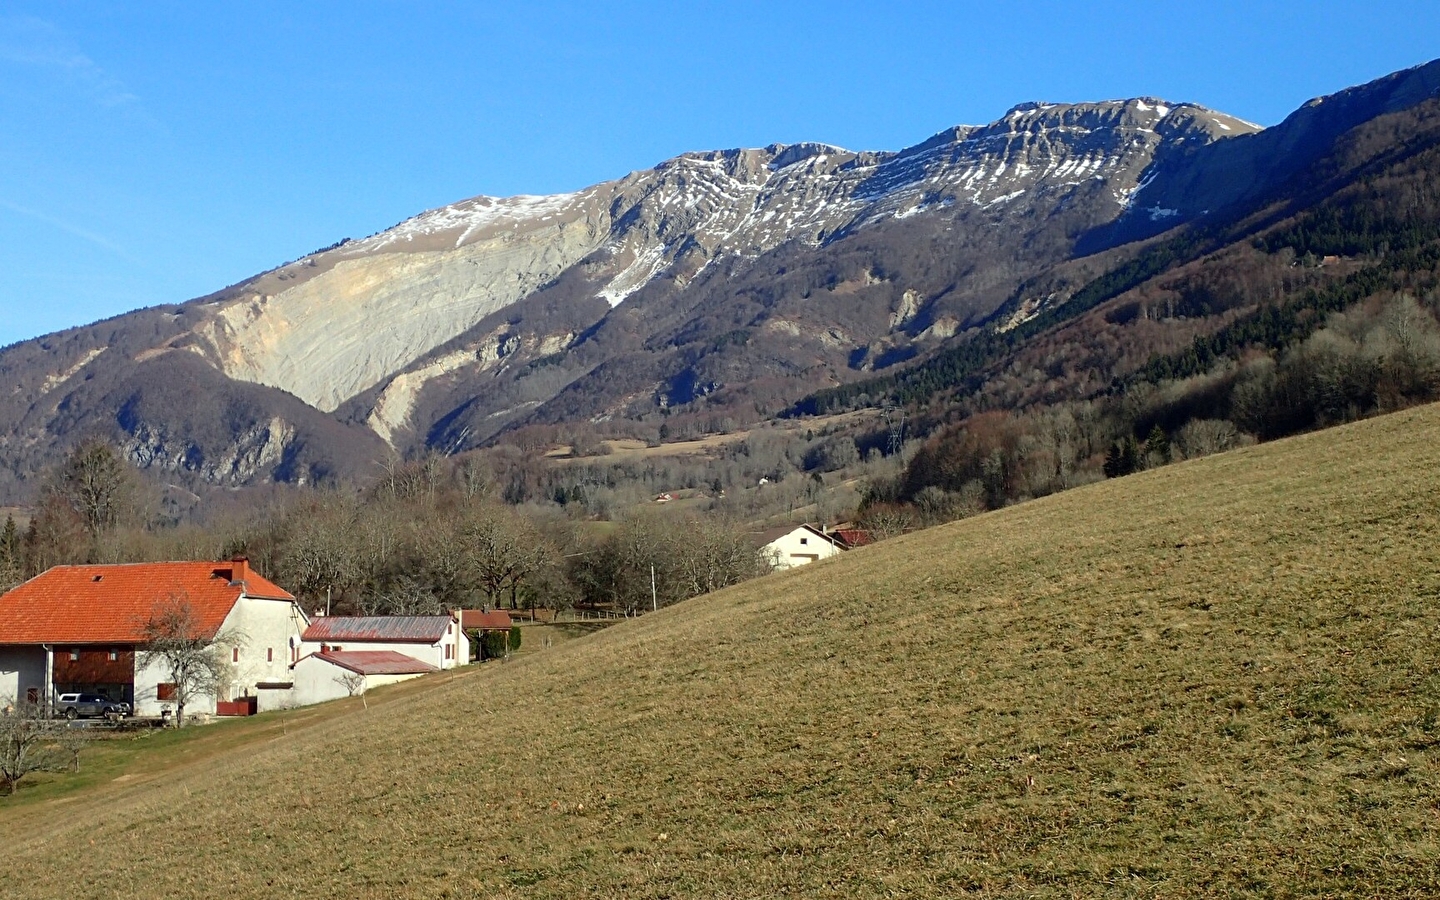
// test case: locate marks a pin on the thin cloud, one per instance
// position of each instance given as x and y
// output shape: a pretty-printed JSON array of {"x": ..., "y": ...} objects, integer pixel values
[
  {"x": 28, "y": 41},
  {"x": 98, "y": 240}
]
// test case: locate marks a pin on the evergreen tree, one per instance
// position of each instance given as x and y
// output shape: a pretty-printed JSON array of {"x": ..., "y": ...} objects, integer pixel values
[
  {"x": 10, "y": 559},
  {"x": 1157, "y": 446},
  {"x": 10, "y": 543},
  {"x": 1122, "y": 458}
]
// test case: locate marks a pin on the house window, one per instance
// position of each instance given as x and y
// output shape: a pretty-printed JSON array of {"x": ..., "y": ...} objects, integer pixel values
[
  {"x": 114, "y": 655},
  {"x": 165, "y": 690},
  {"x": 804, "y": 540},
  {"x": 235, "y": 654},
  {"x": 269, "y": 654},
  {"x": 448, "y": 648}
]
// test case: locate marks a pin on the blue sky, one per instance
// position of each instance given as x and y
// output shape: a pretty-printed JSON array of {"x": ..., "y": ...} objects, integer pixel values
[{"x": 153, "y": 152}]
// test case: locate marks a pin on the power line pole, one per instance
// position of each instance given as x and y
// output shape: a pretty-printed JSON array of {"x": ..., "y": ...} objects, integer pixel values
[{"x": 895, "y": 418}]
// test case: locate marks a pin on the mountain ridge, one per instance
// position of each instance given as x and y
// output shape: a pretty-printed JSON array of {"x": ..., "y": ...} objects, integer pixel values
[{"x": 715, "y": 279}]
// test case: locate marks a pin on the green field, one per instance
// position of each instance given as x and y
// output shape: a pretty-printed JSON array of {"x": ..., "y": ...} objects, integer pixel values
[{"x": 1219, "y": 678}]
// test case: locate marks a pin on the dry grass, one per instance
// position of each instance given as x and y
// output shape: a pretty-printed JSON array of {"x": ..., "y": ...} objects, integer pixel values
[
  {"x": 1215, "y": 679},
  {"x": 627, "y": 449}
]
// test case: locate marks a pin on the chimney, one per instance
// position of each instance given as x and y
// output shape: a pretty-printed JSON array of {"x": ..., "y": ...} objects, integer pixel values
[{"x": 240, "y": 569}]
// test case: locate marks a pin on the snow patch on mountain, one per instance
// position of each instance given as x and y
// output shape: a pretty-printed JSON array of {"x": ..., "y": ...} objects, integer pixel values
[{"x": 466, "y": 219}]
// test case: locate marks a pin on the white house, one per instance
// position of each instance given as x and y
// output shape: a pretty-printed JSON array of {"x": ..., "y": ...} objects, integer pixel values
[
  {"x": 789, "y": 545},
  {"x": 437, "y": 640},
  {"x": 82, "y": 628}
]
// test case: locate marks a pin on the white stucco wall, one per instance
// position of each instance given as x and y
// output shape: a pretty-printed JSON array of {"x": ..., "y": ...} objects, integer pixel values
[
  {"x": 799, "y": 547},
  {"x": 316, "y": 681},
  {"x": 147, "y": 680},
  {"x": 267, "y": 636},
  {"x": 21, "y": 668},
  {"x": 262, "y": 631}
]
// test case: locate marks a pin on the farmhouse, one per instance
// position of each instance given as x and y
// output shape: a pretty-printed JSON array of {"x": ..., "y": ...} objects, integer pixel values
[
  {"x": 80, "y": 628},
  {"x": 436, "y": 640},
  {"x": 789, "y": 546}
]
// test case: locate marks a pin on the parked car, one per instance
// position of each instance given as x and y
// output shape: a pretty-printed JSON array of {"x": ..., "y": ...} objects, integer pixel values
[{"x": 87, "y": 706}]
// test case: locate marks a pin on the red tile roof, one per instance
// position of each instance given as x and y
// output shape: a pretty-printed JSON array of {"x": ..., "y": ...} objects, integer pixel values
[
  {"x": 398, "y": 629},
  {"x": 110, "y": 604},
  {"x": 494, "y": 620},
  {"x": 376, "y": 662}
]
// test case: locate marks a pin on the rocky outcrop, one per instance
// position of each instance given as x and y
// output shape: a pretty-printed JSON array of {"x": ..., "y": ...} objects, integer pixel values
[{"x": 310, "y": 327}]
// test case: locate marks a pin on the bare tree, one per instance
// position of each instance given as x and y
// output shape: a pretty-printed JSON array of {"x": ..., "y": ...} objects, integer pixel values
[
  {"x": 98, "y": 485},
  {"x": 176, "y": 640},
  {"x": 354, "y": 684},
  {"x": 71, "y": 740},
  {"x": 503, "y": 550},
  {"x": 23, "y": 731},
  {"x": 408, "y": 596}
]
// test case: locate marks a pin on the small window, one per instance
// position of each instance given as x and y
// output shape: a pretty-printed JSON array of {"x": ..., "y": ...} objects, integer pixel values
[
  {"x": 235, "y": 655},
  {"x": 114, "y": 655},
  {"x": 74, "y": 655},
  {"x": 804, "y": 540},
  {"x": 165, "y": 690},
  {"x": 269, "y": 654}
]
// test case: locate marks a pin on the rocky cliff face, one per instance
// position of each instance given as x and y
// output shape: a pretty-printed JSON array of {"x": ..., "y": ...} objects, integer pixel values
[
  {"x": 794, "y": 266},
  {"x": 309, "y": 327}
]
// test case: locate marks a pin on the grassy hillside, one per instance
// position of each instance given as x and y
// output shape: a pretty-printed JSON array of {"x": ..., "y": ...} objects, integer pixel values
[{"x": 1216, "y": 678}]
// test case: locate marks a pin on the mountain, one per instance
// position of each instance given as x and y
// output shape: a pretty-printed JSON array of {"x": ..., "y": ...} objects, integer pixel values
[{"x": 716, "y": 288}]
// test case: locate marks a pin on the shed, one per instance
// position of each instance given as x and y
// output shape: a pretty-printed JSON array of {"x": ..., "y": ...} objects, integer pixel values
[{"x": 332, "y": 675}]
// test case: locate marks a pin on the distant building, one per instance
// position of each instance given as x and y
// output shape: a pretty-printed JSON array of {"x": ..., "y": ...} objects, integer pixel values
[
  {"x": 851, "y": 537},
  {"x": 789, "y": 545}
]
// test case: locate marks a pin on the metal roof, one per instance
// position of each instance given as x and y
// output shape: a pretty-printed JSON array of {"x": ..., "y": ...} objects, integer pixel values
[
  {"x": 376, "y": 662},
  {"x": 494, "y": 620},
  {"x": 395, "y": 629}
]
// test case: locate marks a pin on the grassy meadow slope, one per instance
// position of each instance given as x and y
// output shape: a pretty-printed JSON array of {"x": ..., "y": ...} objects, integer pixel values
[{"x": 1216, "y": 678}]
